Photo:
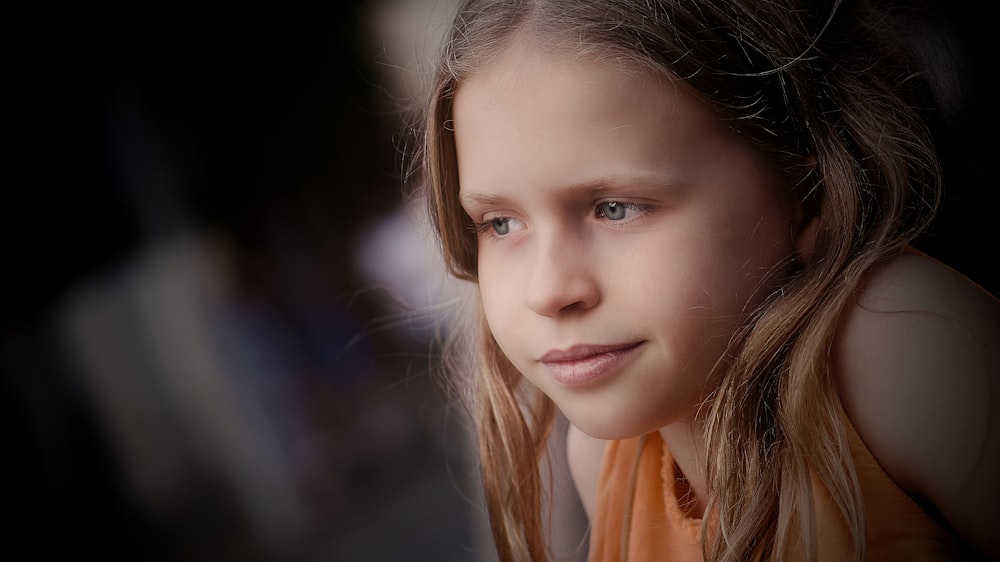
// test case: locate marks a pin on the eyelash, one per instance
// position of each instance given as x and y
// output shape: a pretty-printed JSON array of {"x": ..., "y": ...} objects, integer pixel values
[{"x": 488, "y": 227}]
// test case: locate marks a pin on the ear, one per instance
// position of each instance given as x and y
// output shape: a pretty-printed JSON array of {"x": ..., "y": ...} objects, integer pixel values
[
  {"x": 805, "y": 237},
  {"x": 807, "y": 218}
]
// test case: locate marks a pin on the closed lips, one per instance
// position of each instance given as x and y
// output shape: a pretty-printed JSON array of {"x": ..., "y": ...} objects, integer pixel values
[{"x": 583, "y": 352}]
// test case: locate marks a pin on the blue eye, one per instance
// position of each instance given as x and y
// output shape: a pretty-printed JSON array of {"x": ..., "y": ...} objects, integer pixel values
[
  {"x": 619, "y": 211},
  {"x": 612, "y": 210},
  {"x": 497, "y": 226},
  {"x": 500, "y": 225}
]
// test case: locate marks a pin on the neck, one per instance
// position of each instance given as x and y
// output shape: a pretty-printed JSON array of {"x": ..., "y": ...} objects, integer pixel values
[{"x": 686, "y": 441}]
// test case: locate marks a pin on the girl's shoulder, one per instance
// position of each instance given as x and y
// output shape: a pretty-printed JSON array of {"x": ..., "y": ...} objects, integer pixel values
[{"x": 918, "y": 365}]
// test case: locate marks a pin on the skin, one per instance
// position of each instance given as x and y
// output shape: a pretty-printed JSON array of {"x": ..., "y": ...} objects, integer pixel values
[
  {"x": 606, "y": 219},
  {"x": 918, "y": 360}
]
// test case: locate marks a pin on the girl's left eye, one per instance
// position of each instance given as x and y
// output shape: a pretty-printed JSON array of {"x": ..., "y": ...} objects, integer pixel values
[{"x": 617, "y": 210}]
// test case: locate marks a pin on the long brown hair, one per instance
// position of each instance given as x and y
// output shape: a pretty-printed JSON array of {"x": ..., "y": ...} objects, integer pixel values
[{"x": 827, "y": 85}]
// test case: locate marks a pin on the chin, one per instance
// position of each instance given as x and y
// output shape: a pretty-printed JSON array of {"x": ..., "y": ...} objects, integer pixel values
[{"x": 610, "y": 428}]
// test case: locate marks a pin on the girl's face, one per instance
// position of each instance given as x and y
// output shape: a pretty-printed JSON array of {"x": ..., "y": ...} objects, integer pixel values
[{"x": 624, "y": 232}]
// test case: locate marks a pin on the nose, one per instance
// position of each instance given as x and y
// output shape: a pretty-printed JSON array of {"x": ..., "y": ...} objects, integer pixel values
[{"x": 563, "y": 279}]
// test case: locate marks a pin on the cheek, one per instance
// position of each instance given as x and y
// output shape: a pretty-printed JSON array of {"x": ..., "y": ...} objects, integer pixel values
[
  {"x": 723, "y": 264},
  {"x": 496, "y": 292},
  {"x": 755, "y": 258}
]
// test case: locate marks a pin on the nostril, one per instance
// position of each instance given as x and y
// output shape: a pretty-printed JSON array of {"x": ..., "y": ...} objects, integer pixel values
[{"x": 554, "y": 296}]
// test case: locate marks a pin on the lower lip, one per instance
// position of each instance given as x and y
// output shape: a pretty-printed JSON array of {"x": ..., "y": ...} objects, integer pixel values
[{"x": 590, "y": 369}]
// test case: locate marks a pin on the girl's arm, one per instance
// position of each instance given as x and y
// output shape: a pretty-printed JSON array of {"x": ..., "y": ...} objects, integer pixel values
[{"x": 919, "y": 369}]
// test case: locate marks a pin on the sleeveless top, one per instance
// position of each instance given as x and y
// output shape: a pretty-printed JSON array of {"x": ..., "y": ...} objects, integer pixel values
[{"x": 639, "y": 518}]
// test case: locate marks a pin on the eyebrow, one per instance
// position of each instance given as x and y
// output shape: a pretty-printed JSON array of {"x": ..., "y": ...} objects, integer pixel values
[{"x": 617, "y": 183}]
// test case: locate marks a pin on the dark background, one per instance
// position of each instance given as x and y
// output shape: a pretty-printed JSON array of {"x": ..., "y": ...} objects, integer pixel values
[
  {"x": 187, "y": 194},
  {"x": 261, "y": 146}
]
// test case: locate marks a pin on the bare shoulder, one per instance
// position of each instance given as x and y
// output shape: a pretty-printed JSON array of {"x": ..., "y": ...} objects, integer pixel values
[
  {"x": 585, "y": 454},
  {"x": 918, "y": 363}
]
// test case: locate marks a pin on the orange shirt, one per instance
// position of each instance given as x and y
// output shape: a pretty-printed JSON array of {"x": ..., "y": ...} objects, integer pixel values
[{"x": 659, "y": 529}]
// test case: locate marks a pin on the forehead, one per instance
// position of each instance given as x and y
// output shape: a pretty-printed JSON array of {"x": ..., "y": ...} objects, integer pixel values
[
  {"x": 527, "y": 66},
  {"x": 531, "y": 113},
  {"x": 552, "y": 81}
]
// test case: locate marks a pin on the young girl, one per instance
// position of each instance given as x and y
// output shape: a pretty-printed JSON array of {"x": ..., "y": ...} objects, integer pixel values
[{"x": 689, "y": 223}]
